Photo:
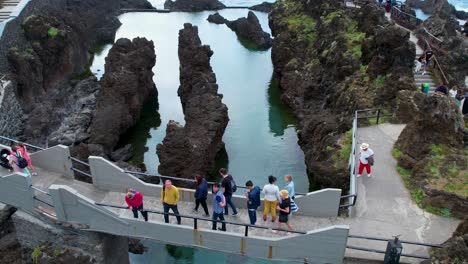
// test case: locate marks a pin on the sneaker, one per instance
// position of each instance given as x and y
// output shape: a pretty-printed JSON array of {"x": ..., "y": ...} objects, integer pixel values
[
  {"x": 423, "y": 73},
  {"x": 368, "y": 175},
  {"x": 234, "y": 214},
  {"x": 34, "y": 174},
  {"x": 220, "y": 229},
  {"x": 359, "y": 175},
  {"x": 206, "y": 215},
  {"x": 274, "y": 231},
  {"x": 194, "y": 211}
]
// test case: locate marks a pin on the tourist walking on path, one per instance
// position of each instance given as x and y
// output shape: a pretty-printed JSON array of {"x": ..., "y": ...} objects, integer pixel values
[
  {"x": 428, "y": 55},
  {"x": 17, "y": 161},
  {"x": 25, "y": 155},
  {"x": 453, "y": 92},
  {"x": 366, "y": 159},
  {"x": 134, "y": 202},
  {"x": 201, "y": 194},
  {"x": 441, "y": 90},
  {"x": 272, "y": 197},
  {"x": 253, "y": 201},
  {"x": 284, "y": 209},
  {"x": 4, "y": 159},
  {"x": 229, "y": 187},
  {"x": 169, "y": 199},
  {"x": 419, "y": 63},
  {"x": 460, "y": 99},
  {"x": 289, "y": 186},
  {"x": 219, "y": 202}
]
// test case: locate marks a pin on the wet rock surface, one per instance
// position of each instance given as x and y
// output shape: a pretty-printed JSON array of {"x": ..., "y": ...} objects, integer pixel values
[
  {"x": 125, "y": 86},
  {"x": 137, "y": 4},
  {"x": 193, "y": 5},
  {"x": 331, "y": 61},
  {"x": 192, "y": 148},
  {"x": 437, "y": 6},
  {"x": 263, "y": 7},
  {"x": 248, "y": 29}
]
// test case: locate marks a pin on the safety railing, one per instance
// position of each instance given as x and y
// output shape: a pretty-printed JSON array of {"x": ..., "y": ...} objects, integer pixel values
[
  {"x": 10, "y": 140},
  {"x": 85, "y": 166},
  {"x": 424, "y": 42},
  {"x": 375, "y": 117},
  {"x": 162, "y": 178},
  {"x": 196, "y": 219},
  {"x": 386, "y": 240},
  {"x": 44, "y": 203},
  {"x": 407, "y": 20}
]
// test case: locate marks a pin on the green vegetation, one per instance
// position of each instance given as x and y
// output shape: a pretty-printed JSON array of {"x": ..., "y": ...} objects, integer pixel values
[
  {"x": 53, "y": 32},
  {"x": 380, "y": 81},
  {"x": 37, "y": 252},
  {"x": 329, "y": 18},
  {"x": 57, "y": 252},
  {"x": 298, "y": 22},
  {"x": 354, "y": 40},
  {"x": 441, "y": 175},
  {"x": 341, "y": 157}
]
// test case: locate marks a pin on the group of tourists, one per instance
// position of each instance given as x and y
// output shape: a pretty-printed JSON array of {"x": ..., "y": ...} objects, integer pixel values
[
  {"x": 16, "y": 159},
  {"x": 456, "y": 93},
  {"x": 275, "y": 200}
]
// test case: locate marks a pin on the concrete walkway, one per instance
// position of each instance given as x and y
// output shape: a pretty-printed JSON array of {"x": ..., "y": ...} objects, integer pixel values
[{"x": 384, "y": 206}]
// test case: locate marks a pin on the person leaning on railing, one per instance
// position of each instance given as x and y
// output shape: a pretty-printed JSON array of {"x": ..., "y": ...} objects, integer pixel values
[{"x": 134, "y": 202}]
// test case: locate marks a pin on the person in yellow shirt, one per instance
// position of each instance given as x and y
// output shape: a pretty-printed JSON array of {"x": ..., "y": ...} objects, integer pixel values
[{"x": 169, "y": 199}]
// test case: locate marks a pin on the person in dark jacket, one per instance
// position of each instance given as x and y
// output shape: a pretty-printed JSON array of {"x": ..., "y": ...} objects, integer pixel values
[
  {"x": 134, "y": 202},
  {"x": 253, "y": 201},
  {"x": 201, "y": 194}
]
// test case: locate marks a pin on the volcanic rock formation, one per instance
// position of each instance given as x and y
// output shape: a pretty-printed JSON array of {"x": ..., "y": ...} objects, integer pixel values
[
  {"x": 263, "y": 7},
  {"x": 193, "y": 5},
  {"x": 192, "y": 148},
  {"x": 248, "y": 29},
  {"x": 330, "y": 61}
]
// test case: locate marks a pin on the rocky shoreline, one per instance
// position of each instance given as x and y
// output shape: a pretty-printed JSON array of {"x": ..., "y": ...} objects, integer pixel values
[
  {"x": 331, "y": 61},
  {"x": 192, "y": 148}
]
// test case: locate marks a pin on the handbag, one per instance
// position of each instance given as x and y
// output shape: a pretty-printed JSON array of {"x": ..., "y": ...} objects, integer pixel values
[{"x": 294, "y": 208}]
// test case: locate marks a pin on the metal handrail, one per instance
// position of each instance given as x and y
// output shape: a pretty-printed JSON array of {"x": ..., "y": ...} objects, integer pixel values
[
  {"x": 247, "y": 226},
  {"x": 39, "y": 190},
  {"x": 383, "y": 252},
  {"x": 16, "y": 141},
  {"x": 81, "y": 172},
  {"x": 430, "y": 34},
  {"x": 42, "y": 201},
  {"x": 184, "y": 180},
  {"x": 79, "y": 161},
  {"x": 402, "y": 241}
]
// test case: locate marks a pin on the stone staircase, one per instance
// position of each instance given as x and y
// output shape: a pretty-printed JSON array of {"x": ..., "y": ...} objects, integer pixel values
[
  {"x": 6, "y": 8},
  {"x": 419, "y": 79}
]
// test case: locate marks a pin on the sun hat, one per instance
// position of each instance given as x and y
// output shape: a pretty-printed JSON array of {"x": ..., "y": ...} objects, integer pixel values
[{"x": 364, "y": 146}]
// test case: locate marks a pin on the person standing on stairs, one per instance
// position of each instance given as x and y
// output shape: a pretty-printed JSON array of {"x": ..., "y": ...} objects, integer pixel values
[
  {"x": 453, "y": 92},
  {"x": 428, "y": 56},
  {"x": 169, "y": 199},
  {"x": 419, "y": 63},
  {"x": 441, "y": 90},
  {"x": 366, "y": 159}
]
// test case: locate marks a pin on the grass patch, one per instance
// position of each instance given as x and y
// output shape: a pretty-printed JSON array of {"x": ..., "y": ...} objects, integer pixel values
[
  {"x": 396, "y": 153},
  {"x": 303, "y": 26},
  {"x": 354, "y": 40},
  {"x": 329, "y": 18},
  {"x": 405, "y": 174},
  {"x": 341, "y": 157},
  {"x": 53, "y": 32},
  {"x": 445, "y": 212}
]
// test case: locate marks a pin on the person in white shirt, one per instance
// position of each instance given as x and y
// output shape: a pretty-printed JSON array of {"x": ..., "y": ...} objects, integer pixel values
[
  {"x": 453, "y": 92},
  {"x": 272, "y": 196},
  {"x": 365, "y": 154}
]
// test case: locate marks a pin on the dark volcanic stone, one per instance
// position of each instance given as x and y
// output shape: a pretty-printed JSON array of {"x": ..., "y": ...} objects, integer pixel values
[
  {"x": 137, "y": 4},
  {"x": 263, "y": 7},
  {"x": 125, "y": 87},
  {"x": 192, "y": 148},
  {"x": 193, "y": 5},
  {"x": 436, "y": 120},
  {"x": 125, "y": 153},
  {"x": 250, "y": 29},
  {"x": 217, "y": 18}
]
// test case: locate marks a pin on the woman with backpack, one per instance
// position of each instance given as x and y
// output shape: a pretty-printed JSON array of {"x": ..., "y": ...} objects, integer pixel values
[
  {"x": 17, "y": 161},
  {"x": 25, "y": 155},
  {"x": 201, "y": 194}
]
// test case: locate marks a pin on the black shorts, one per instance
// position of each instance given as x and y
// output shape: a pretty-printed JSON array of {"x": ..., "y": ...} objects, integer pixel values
[{"x": 283, "y": 218}]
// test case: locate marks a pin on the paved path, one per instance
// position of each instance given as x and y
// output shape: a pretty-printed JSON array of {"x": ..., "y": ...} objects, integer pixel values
[{"x": 384, "y": 207}]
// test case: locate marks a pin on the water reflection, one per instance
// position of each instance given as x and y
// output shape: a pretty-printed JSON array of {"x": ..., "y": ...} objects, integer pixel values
[{"x": 279, "y": 115}]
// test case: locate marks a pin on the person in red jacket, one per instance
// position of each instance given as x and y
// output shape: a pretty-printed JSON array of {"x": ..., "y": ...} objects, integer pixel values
[{"x": 134, "y": 201}]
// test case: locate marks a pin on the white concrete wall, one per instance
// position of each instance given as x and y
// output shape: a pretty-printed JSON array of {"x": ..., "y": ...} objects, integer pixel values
[
  {"x": 55, "y": 159},
  {"x": 15, "y": 190},
  {"x": 320, "y": 246},
  {"x": 107, "y": 176}
]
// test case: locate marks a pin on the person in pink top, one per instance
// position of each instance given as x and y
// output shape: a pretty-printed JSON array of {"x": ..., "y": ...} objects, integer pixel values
[
  {"x": 134, "y": 201},
  {"x": 24, "y": 153}
]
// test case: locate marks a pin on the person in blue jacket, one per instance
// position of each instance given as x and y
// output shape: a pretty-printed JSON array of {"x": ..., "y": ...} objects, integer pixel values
[
  {"x": 253, "y": 200},
  {"x": 201, "y": 194}
]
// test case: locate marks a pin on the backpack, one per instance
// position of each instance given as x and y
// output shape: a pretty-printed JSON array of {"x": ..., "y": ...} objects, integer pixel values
[
  {"x": 21, "y": 162},
  {"x": 233, "y": 184}
]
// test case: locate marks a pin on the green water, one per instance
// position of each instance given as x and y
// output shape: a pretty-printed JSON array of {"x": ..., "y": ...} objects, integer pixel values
[{"x": 261, "y": 137}]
